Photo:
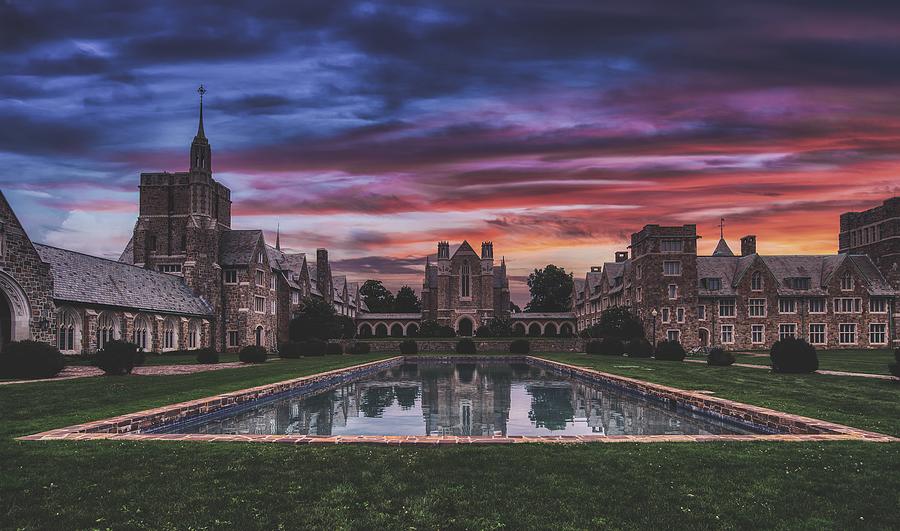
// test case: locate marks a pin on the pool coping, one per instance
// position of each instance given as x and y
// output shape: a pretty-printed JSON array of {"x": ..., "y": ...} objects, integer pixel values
[{"x": 129, "y": 427}]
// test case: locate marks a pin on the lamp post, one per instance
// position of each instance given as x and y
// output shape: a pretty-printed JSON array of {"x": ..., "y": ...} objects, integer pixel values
[{"x": 654, "y": 313}]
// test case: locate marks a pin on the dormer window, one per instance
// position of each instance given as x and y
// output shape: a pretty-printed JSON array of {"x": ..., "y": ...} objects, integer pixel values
[
  {"x": 713, "y": 283},
  {"x": 799, "y": 283},
  {"x": 756, "y": 283},
  {"x": 259, "y": 258},
  {"x": 847, "y": 282}
]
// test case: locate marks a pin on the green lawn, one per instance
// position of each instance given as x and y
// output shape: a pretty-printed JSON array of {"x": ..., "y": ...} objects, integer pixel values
[
  {"x": 109, "y": 484},
  {"x": 869, "y": 361}
]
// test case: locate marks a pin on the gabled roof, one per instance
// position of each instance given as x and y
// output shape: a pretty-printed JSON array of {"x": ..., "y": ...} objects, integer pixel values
[
  {"x": 127, "y": 256},
  {"x": 88, "y": 279},
  {"x": 464, "y": 247},
  {"x": 236, "y": 247}
]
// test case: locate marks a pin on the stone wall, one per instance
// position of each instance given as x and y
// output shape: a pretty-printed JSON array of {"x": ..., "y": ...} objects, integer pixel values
[{"x": 538, "y": 345}]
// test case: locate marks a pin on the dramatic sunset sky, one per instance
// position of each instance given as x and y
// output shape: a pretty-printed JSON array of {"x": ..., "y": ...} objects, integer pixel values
[{"x": 376, "y": 129}]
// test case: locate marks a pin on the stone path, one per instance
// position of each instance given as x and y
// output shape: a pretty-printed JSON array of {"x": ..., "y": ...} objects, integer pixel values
[
  {"x": 85, "y": 371},
  {"x": 830, "y": 373}
]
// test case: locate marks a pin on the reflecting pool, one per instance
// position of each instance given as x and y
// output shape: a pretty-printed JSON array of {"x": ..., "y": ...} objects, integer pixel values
[{"x": 478, "y": 399}]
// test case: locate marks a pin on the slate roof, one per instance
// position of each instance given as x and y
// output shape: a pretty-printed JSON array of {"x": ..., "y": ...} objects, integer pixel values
[
  {"x": 88, "y": 279},
  {"x": 127, "y": 256},
  {"x": 542, "y": 315},
  {"x": 397, "y": 316},
  {"x": 722, "y": 249},
  {"x": 236, "y": 247}
]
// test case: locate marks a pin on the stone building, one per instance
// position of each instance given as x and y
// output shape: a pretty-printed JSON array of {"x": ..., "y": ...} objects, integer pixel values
[
  {"x": 185, "y": 280},
  {"x": 750, "y": 301}
]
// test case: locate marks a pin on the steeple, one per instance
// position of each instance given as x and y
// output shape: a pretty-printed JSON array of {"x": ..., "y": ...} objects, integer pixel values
[
  {"x": 201, "y": 153},
  {"x": 277, "y": 230},
  {"x": 722, "y": 248}
]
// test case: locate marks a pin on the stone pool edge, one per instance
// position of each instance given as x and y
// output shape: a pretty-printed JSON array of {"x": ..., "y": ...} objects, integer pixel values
[{"x": 128, "y": 427}]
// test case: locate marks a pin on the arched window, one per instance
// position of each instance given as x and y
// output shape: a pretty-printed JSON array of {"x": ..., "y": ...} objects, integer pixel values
[
  {"x": 170, "y": 334},
  {"x": 465, "y": 281},
  {"x": 365, "y": 330},
  {"x": 142, "y": 336},
  {"x": 847, "y": 281},
  {"x": 107, "y": 329},
  {"x": 67, "y": 325},
  {"x": 756, "y": 281},
  {"x": 259, "y": 336},
  {"x": 193, "y": 335},
  {"x": 397, "y": 330}
]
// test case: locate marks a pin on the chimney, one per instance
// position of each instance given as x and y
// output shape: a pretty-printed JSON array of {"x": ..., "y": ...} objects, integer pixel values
[
  {"x": 323, "y": 273},
  {"x": 621, "y": 256},
  {"x": 596, "y": 269},
  {"x": 748, "y": 245}
]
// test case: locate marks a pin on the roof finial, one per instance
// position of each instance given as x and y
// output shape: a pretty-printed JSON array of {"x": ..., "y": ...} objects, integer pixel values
[
  {"x": 722, "y": 229},
  {"x": 278, "y": 237},
  {"x": 201, "y": 91}
]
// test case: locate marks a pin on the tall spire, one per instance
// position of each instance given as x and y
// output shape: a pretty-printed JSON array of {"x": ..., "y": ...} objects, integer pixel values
[
  {"x": 722, "y": 229},
  {"x": 200, "y": 133},
  {"x": 278, "y": 237}
]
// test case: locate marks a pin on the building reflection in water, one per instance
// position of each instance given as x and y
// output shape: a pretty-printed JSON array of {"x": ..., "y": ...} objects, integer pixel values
[{"x": 477, "y": 399}]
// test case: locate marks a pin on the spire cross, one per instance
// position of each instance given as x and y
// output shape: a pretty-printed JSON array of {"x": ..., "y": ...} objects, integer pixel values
[
  {"x": 201, "y": 91},
  {"x": 722, "y": 228}
]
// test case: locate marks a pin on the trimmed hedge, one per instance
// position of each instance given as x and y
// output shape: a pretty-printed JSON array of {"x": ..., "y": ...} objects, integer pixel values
[
  {"x": 669, "y": 351},
  {"x": 408, "y": 346},
  {"x": 334, "y": 349},
  {"x": 520, "y": 346},
  {"x": 895, "y": 367},
  {"x": 289, "y": 350},
  {"x": 638, "y": 348},
  {"x": 484, "y": 331},
  {"x": 313, "y": 347},
  {"x": 611, "y": 346},
  {"x": 253, "y": 354},
  {"x": 465, "y": 346},
  {"x": 118, "y": 358},
  {"x": 207, "y": 356},
  {"x": 360, "y": 347},
  {"x": 720, "y": 357},
  {"x": 793, "y": 355},
  {"x": 30, "y": 359}
]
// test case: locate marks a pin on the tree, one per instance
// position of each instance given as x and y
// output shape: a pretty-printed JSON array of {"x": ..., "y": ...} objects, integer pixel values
[
  {"x": 551, "y": 290},
  {"x": 378, "y": 298},
  {"x": 407, "y": 301},
  {"x": 514, "y": 308},
  {"x": 433, "y": 329},
  {"x": 315, "y": 320},
  {"x": 617, "y": 322}
]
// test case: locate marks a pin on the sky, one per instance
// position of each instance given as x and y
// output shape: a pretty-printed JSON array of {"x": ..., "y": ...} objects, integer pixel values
[{"x": 376, "y": 129}]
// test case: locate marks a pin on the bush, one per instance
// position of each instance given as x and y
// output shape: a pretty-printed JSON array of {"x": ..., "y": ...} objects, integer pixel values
[
  {"x": 611, "y": 346},
  {"x": 289, "y": 350},
  {"x": 433, "y": 329},
  {"x": 720, "y": 357},
  {"x": 465, "y": 346},
  {"x": 409, "y": 346},
  {"x": 207, "y": 355},
  {"x": 895, "y": 367},
  {"x": 334, "y": 349},
  {"x": 30, "y": 359},
  {"x": 638, "y": 348},
  {"x": 312, "y": 347},
  {"x": 520, "y": 346},
  {"x": 793, "y": 355},
  {"x": 592, "y": 347},
  {"x": 484, "y": 331},
  {"x": 360, "y": 347},
  {"x": 253, "y": 354},
  {"x": 669, "y": 351},
  {"x": 118, "y": 357}
]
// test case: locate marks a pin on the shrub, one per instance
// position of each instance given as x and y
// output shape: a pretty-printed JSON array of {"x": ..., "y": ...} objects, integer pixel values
[
  {"x": 669, "y": 351},
  {"x": 289, "y": 350},
  {"x": 30, "y": 359},
  {"x": 720, "y": 357},
  {"x": 639, "y": 348},
  {"x": 465, "y": 346},
  {"x": 611, "y": 346},
  {"x": 253, "y": 354},
  {"x": 334, "y": 349},
  {"x": 207, "y": 355},
  {"x": 434, "y": 329},
  {"x": 118, "y": 357},
  {"x": 895, "y": 367},
  {"x": 312, "y": 347},
  {"x": 520, "y": 346},
  {"x": 484, "y": 331},
  {"x": 360, "y": 347},
  {"x": 408, "y": 346},
  {"x": 592, "y": 346},
  {"x": 793, "y": 355}
]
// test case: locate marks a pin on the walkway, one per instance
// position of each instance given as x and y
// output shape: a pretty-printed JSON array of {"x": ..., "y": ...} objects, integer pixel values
[
  {"x": 85, "y": 371},
  {"x": 830, "y": 373}
]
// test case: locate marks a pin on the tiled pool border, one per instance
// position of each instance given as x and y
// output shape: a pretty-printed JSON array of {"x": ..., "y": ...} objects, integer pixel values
[{"x": 140, "y": 425}]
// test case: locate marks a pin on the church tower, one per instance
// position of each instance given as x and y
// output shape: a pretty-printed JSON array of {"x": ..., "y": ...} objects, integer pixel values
[{"x": 201, "y": 152}]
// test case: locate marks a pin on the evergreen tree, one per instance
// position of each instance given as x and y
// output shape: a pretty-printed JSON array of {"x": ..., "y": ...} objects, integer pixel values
[
  {"x": 378, "y": 298},
  {"x": 407, "y": 301}
]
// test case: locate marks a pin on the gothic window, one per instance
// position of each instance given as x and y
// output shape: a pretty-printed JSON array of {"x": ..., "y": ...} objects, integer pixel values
[
  {"x": 170, "y": 334},
  {"x": 847, "y": 282},
  {"x": 756, "y": 281},
  {"x": 193, "y": 334},
  {"x": 66, "y": 326},
  {"x": 107, "y": 329},
  {"x": 141, "y": 336},
  {"x": 465, "y": 281}
]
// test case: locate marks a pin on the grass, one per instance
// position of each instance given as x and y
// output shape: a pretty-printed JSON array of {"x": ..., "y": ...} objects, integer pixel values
[
  {"x": 867, "y": 361},
  {"x": 111, "y": 484}
]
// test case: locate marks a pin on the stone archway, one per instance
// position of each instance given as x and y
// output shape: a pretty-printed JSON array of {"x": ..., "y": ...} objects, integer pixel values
[
  {"x": 535, "y": 330},
  {"x": 465, "y": 327},
  {"x": 15, "y": 311},
  {"x": 397, "y": 330},
  {"x": 365, "y": 330},
  {"x": 704, "y": 337}
]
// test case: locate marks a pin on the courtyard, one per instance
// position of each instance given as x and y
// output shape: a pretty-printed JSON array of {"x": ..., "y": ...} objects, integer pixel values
[{"x": 116, "y": 484}]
